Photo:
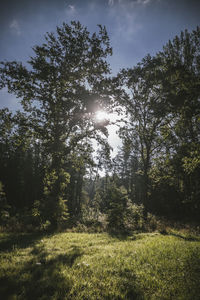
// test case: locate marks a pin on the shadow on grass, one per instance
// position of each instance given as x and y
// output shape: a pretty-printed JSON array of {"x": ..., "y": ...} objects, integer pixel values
[
  {"x": 128, "y": 286},
  {"x": 186, "y": 238},
  {"x": 120, "y": 235},
  {"x": 11, "y": 241},
  {"x": 124, "y": 236},
  {"x": 68, "y": 259},
  {"x": 40, "y": 278}
]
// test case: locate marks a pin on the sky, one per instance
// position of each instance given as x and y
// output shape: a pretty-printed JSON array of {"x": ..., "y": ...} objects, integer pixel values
[{"x": 135, "y": 27}]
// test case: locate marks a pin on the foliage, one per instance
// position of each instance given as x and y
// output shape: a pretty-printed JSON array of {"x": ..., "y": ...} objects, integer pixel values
[
  {"x": 134, "y": 217},
  {"x": 55, "y": 186},
  {"x": 4, "y": 207},
  {"x": 48, "y": 164},
  {"x": 159, "y": 159},
  {"x": 117, "y": 199},
  {"x": 124, "y": 216},
  {"x": 60, "y": 91}
]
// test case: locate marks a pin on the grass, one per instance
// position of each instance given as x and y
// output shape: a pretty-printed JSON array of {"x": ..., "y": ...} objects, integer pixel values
[{"x": 98, "y": 266}]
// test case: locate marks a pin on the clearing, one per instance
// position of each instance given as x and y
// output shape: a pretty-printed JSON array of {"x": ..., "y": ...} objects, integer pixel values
[{"x": 99, "y": 266}]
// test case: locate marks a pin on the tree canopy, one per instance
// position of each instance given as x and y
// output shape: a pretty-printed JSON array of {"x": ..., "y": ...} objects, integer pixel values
[{"x": 48, "y": 172}]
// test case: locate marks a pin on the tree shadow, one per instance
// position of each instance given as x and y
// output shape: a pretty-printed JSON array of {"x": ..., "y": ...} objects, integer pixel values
[
  {"x": 120, "y": 235},
  {"x": 185, "y": 238},
  {"x": 67, "y": 259},
  {"x": 19, "y": 241},
  {"x": 128, "y": 286},
  {"x": 41, "y": 277}
]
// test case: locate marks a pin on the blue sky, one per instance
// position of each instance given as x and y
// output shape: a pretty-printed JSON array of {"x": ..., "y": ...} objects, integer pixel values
[{"x": 135, "y": 27}]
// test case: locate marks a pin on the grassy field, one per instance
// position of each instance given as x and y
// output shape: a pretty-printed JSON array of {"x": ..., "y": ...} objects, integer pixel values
[{"x": 98, "y": 266}]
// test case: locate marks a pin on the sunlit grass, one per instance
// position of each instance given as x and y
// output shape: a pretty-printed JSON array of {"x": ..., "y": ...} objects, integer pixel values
[{"x": 98, "y": 266}]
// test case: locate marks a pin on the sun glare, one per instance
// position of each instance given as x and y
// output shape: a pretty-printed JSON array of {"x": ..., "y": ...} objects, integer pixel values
[{"x": 101, "y": 115}]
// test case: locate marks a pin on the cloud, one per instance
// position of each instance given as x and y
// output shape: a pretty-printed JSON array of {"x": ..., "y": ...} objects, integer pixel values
[
  {"x": 15, "y": 27},
  {"x": 110, "y": 2},
  {"x": 143, "y": 2},
  {"x": 72, "y": 8},
  {"x": 125, "y": 16},
  {"x": 133, "y": 2}
]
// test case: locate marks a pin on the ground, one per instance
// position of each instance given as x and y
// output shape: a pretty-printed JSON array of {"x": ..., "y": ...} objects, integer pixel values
[{"x": 99, "y": 266}]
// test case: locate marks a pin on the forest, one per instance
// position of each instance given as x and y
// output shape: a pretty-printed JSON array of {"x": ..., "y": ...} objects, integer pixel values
[
  {"x": 49, "y": 164},
  {"x": 76, "y": 221}
]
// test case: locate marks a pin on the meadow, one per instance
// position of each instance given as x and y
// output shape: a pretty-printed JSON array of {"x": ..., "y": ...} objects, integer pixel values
[{"x": 99, "y": 266}]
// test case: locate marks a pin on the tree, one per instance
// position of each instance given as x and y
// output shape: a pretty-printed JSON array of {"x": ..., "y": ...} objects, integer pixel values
[
  {"x": 162, "y": 131},
  {"x": 127, "y": 166},
  {"x": 181, "y": 92},
  {"x": 4, "y": 207},
  {"x": 60, "y": 91},
  {"x": 117, "y": 201},
  {"x": 146, "y": 115}
]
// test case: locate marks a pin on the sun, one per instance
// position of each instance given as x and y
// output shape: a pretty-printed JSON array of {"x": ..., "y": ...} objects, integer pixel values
[{"x": 101, "y": 115}]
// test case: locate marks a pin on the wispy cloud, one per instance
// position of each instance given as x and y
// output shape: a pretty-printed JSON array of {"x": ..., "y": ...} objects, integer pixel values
[
  {"x": 133, "y": 2},
  {"x": 15, "y": 27},
  {"x": 125, "y": 16},
  {"x": 70, "y": 10},
  {"x": 110, "y": 2},
  {"x": 144, "y": 2}
]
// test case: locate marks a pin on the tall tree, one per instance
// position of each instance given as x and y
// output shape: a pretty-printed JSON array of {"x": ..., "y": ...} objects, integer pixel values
[
  {"x": 60, "y": 91},
  {"x": 181, "y": 91},
  {"x": 145, "y": 112}
]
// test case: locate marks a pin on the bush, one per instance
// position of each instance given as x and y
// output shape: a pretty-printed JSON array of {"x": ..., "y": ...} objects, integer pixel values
[
  {"x": 4, "y": 207},
  {"x": 91, "y": 221},
  {"x": 117, "y": 198},
  {"x": 134, "y": 217}
]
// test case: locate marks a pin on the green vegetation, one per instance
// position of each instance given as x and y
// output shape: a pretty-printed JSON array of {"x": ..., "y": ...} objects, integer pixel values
[
  {"x": 48, "y": 162},
  {"x": 99, "y": 266},
  {"x": 49, "y": 179}
]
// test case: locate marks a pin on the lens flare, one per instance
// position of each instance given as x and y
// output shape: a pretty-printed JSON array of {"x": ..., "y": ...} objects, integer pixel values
[{"x": 101, "y": 115}]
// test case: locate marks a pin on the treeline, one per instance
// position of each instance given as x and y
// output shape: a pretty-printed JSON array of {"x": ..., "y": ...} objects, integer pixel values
[
  {"x": 48, "y": 170},
  {"x": 160, "y": 158}
]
